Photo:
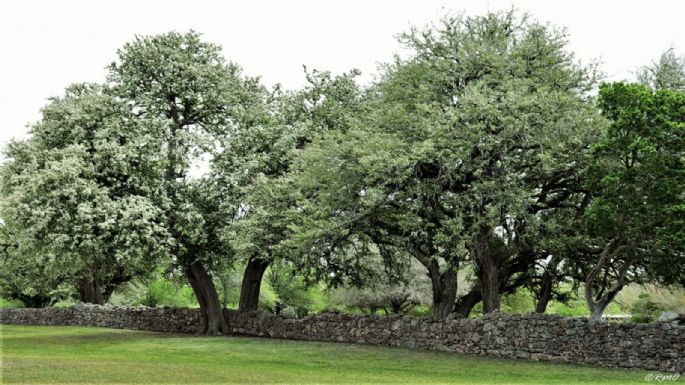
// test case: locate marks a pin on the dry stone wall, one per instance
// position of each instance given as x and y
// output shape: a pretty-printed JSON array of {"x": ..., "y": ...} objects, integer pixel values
[{"x": 658, "y": 346}]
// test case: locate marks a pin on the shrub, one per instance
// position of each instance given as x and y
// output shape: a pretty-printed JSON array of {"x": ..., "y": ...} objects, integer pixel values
[{"x": 645, "y": 309}]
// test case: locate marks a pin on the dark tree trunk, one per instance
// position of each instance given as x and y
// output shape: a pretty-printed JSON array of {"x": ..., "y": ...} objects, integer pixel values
[
  {"x": 544, "y": 292},
  {"x": 544, "y": 296},
  {"x": 252, "y": 284},
  {"x": 97, "y": 292},
  {"x": 91, "y": 291},
  {"x": 213, "y": 320},
  {"x": 401, "y": 303},
  {"x": 119, "y": 278},
  {"x": 467, "y": 302},
  {"x": 107, "y": 292},
  {"x": 444, "y": 285},
  {"x": 489, "y": 283},
  {"x": 35, "y": 301},
  {"x": 488, "y": 272}
]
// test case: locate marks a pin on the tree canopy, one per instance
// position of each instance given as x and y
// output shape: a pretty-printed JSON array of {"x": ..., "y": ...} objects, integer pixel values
[
  {"x": 80, "y": 196},
  {"x": 484, "y": 153}
]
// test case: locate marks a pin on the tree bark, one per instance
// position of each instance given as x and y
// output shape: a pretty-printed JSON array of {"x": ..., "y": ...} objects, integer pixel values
[
  {"x": 91, "y": 291},
  {"x": 252, "y": 283},
  {"x": 213, "y": 320},
  {"x": 444, "y": 285},
  {"x": 466, "y": 303},
  {"x": 489, "y": 283},
  {"x": 544, "y": 294},
  {"x": 596, "y": 311},
  {"x": 488, "y": 271}
]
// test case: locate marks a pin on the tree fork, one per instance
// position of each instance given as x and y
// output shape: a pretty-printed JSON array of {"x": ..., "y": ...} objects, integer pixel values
[{"x": 444, "y": 285}]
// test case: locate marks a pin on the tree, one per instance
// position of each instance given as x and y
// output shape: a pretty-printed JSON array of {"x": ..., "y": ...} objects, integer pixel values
[
  {"x": 199, "y": 100},
  {"x": 258, "y": 161},
  {"x": 636, "y": 220},
  {"x": 470, "y": 139},
  {"x": 395, "y": 298},
  {"x": 80, "y": 196},
  {"x": 666, "y": 73}
]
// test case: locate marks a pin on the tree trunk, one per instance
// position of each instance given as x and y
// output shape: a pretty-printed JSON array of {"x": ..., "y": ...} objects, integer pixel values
[
  {"x": 596, "y": 311},
  {"x": 468, "y": 301},
  {"x": 90, "y": 291},
  {"x": 489, "y": 283},
  {"x": 444, "y": 285},
  {"x": 544, "y": 294},
  {"x": 488, "y": 271},
  {"x": 119, "y": 278},
  {"x": 252, "y": 283},
  {"x": 213, "y": 320}
]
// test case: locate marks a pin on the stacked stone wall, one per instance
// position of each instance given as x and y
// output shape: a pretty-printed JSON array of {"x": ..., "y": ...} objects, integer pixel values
[{"x": 535, "y": 337}]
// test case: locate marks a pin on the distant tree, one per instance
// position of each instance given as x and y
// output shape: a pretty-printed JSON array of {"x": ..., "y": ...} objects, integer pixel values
[
  {"x": 394, "y": 297},
  {"x": 637, "y": 215},
  {"x": 80, "y": 196},
  {"x": 198, "y": 100},
  {"x": 666, "y": 73}
]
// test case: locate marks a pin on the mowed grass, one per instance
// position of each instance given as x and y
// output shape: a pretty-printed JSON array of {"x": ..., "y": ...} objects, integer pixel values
[{"x": 70, "y": 355}]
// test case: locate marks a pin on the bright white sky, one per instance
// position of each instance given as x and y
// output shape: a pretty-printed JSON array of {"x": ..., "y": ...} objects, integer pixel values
[{"x": 47, "y": 45}]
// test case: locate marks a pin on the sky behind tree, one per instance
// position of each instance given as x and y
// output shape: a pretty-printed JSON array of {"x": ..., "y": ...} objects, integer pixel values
[{"x": 48, "y": 45}]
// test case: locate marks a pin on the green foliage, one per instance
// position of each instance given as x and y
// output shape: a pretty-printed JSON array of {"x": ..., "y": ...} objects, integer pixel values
[
  {"x": 463, "y": 146},
  {"x": 410, "y": 297},
  {"x": 292, "y": 295},
  {"x": 519, "y": 302},
  {"x": 645, "y": 309},
  {"x": 481, "y": 150},
  {"x": 199, "y": 100},
  {"x": 671, "y": 298},
  {"x": 258, "y": 161},
  {"x": 638, "y": 182},
  {"x": 80, "y": 196},
  {"x": 573, "y": 309},
  {"x": 165, "y": 292},
  {"x": 4, "y": 302},
  {"x": 200, "y": 103}
]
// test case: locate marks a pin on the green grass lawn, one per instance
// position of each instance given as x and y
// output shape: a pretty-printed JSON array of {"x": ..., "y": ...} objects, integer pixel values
[{"x": 36, "y": 354}]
